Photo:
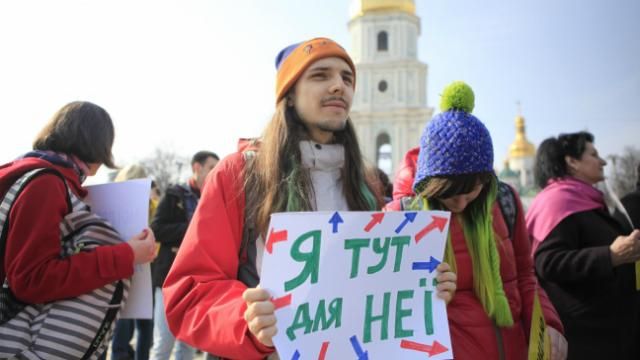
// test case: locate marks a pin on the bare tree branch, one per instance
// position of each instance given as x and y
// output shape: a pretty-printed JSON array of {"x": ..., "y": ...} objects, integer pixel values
[
  {"x": 624, "y": 173},
  {"x": 165, "y": 167}
]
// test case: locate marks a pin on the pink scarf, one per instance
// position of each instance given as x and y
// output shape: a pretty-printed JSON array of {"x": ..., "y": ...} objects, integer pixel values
[{"x": 559, "y": 199}]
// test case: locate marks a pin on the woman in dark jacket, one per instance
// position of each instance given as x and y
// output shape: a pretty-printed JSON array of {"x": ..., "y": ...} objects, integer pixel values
[{"x": 582, "y": 255}]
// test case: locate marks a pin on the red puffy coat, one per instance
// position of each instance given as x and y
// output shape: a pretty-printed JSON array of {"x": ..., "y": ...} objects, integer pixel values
[{"x": 403, "y": 181}]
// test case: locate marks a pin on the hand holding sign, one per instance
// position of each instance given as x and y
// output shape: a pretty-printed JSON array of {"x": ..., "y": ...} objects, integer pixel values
[
  {"x": 446, "y": 282},
  {"x": 260, "y": 315}
]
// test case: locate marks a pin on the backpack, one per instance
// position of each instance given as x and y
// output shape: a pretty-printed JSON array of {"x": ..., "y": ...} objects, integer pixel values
[
  {"x": 506, "y": 200},
  {"x": 76, "y": 328},
  {"x": 189, "y": 201}
]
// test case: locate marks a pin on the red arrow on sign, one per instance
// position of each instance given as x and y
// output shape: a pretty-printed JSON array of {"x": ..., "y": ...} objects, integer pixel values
[
  {"x": 323, "y": 350},
  {"x": 281, "y": 301},
  {"x": 437, "y": 222},
  {"x": 435, "y": 349},
  {"x": 375, "y": 219},
  {"x": 275, "y": 237}
]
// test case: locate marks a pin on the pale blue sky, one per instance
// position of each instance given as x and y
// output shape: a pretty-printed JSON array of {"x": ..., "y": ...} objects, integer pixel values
[{"x": 190, "y": 75}]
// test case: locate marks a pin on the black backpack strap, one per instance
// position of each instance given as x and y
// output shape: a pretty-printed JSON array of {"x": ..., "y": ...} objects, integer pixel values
[
  {"x": 508, "y": 206},
  {"x": 247, "y": 272},
  {"x": 110, "y": 317}
]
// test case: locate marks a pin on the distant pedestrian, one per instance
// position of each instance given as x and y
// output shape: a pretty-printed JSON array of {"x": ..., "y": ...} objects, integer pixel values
[{"x": 170, "y": 223}]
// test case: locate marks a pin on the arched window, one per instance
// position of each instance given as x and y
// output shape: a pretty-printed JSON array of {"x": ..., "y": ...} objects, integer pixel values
[
  {"x": 382, "y": 86},
  {"x": 383, "y": 152},
  {"x": 383, "y": 41}
]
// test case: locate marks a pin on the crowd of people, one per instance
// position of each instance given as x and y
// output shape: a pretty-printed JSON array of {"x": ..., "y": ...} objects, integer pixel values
[{"x": 568, "y": 249}]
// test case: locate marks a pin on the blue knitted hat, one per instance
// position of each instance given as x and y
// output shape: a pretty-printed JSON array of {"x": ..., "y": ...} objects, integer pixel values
[{"x": 454, "y": 142}]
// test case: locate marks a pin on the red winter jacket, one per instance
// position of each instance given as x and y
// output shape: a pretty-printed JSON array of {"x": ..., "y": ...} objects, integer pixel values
[
  {"x": 473, "y": 335},
  {"x": 202, "y": 296},
  {"x": 32, "y": 262},
  {"x": 403, "y": 182}
]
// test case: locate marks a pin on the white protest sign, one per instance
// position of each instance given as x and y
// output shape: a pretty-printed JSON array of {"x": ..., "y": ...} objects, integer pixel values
[
  {"x": 126, "y": 206},
  {"x": 357, "y": 285}
]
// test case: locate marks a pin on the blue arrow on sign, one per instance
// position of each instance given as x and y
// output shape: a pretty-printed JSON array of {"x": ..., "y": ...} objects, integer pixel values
[
  {"x": 362, "y": 355},
  {"x": 335, "y": 220},
  {"x": 296, "y": 355},
  {"x": 430, "y": 265},
  {"x": 408, "y": 217}
]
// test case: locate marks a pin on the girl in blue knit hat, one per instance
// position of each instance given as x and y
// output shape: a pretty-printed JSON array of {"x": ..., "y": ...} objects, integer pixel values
[{"x": 490, "y": 314}]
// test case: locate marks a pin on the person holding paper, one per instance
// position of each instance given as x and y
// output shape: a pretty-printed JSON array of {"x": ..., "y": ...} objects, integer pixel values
[
  {"x": 124, "y": 330},
  {"x": 490, "y": 314},
  {"x": 583, "y": 257},
  {"x": 74, "y": 143},
  {"x": 307, "y": 159}
]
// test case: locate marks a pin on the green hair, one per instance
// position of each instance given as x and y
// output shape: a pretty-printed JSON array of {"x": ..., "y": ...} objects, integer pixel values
[
  {"x": 477, "y": 224},
  {"x": 297, "y": 200},
  {"x": 368, "y": 197}
]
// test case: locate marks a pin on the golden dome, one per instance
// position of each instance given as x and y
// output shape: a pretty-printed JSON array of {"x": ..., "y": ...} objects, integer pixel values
[
  {"x": 360, "y": 7},
  {"x": 521, "y": 147}
]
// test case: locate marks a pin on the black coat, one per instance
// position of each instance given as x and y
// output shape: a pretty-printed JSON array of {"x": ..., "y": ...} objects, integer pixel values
[
  {"x": 631, "y": 203},
  {"x": 597, "y": 303},
  {"x": 169, "y": 226}
]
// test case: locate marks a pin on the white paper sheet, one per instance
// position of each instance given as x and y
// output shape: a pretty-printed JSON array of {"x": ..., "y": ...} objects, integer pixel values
[{"x": 126, "y": 206}]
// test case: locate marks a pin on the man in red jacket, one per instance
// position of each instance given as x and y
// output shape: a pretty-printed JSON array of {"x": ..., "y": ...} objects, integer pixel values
[{"x": 308, "y": 159}]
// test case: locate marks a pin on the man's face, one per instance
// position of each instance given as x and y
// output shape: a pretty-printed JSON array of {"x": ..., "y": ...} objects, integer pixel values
[
  {"x": 201, "y": 170},
  {"x": 322, "y": 97}
]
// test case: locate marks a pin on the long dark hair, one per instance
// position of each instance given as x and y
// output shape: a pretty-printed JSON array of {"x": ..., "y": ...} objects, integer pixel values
[
  {"x": 550, "y": 158},
  {"x": 280, "y": 182},
  {"x": 82, "y": 129}
]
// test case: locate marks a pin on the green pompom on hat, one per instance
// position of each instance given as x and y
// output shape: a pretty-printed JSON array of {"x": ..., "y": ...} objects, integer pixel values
[{"x": 457, "y": 96}]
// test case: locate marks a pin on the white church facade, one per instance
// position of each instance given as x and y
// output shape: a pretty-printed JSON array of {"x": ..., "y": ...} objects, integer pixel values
[{"x": 390, "y": 108}]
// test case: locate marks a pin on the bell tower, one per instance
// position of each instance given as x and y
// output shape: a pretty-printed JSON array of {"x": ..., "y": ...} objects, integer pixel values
[{"x": 390, "y": 108}]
